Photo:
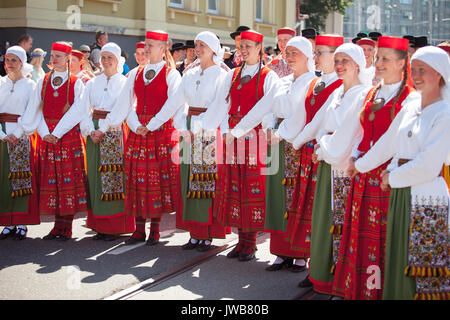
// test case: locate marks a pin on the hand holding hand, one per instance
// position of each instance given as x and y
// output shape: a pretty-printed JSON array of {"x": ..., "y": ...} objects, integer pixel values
[
  {"x": 51, "y": 139},
  {"x": 142, "y": 131},
  {"x": 12, "y": 139}
]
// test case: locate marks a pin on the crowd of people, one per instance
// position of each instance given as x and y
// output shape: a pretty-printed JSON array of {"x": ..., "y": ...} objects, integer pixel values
[{"x": 340, "y": 150}]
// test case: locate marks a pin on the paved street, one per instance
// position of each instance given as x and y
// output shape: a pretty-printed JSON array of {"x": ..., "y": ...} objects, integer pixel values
[{"x": 86, "y": 269}]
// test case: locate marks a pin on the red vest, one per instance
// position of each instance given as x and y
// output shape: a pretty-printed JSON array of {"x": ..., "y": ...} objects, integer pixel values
[
  {"x": 320, "y": 99},
  {"x": 243, "y": 100},
  {"x": 373, "y": 130},
  {"x": 150, "y": 98},
  {"x": 54, "y": 106}
]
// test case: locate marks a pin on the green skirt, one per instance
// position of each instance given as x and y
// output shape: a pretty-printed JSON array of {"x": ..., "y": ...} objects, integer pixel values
[
  {"x": 275, "y": 190},
  {"x": 99, "y": 207},
  {"x": 398, "y": 286},
  {"x": 7, "y": 203},
  {"x": 321, "y": 259}
]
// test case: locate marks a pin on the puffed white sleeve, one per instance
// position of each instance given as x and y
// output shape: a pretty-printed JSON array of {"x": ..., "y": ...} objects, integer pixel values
[
  {"x": 311, "y": 130},
  {"x": 428, "y": 163},
  {"x": 384, "y": 149},
  {"x": 19, "y": 131},
  {"x": 335, "y": 148},
  {"x": 33, "y": 118},
  {"x": 86, "y": 124},
  {"x": 218, "y": 110},
  {"x": 174, "y": 103},
  {"x": 74, "y": 115},
  {"x": 262, "y": 108},
  {"x": 123, "y": 107}
]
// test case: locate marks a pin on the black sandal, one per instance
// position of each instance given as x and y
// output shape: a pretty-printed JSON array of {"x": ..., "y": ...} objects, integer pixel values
[
  {"x": 11, "y": 233},
  {"x": 21, "y": 233}
]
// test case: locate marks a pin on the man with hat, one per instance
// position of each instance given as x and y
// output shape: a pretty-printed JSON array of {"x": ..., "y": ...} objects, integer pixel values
[
  {"x": 236, "y": 59},
  {"x": 101, "y": 38},
  {"x": 412, "y": 41},
  {"x": 374, "y": 35},
  {"x": 310, "y": 34},
  {"x": 77, "y": 66},
  {"x": 420, "y": 42},
  {"x": 178, "y": 53},
  {"x": 362, "y": 35},
  {"x": 189, "y": 50}
]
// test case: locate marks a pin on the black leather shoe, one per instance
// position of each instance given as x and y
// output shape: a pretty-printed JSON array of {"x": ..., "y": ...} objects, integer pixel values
[
  {"x": 296, "y": 269},
  {"x": 135, "y": 239},
  {"x": 278, "y": 266},
  {"x": 152, "y": 240},
  {"x": 189, "y": 245},
  {"x": 305, "y": 283},
  {"x": 109, "y": 237},
  {"x": 203, "y": 247},
  {"x": 247, "y": 254},
  {"x": 50, "y": 236},
  {"x": 20, "y": 234},
  {"x": 11, "y": 233},
  {"x": 98, "y": 236},
  {"x": 233, "y": 253}
]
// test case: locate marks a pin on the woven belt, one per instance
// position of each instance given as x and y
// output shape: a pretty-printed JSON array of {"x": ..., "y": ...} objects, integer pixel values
[
  {"x": 99, "y": 114},
  {"x": 8, "y": 117},
  {"x": 195, "y": 111},
  {"x": 403, "y": 161}
]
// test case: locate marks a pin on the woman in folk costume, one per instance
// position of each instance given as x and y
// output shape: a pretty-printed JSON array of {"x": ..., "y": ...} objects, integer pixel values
[
  {"x": 279, "y": 64},
  {"x": 198, "y": 169},
  {"x": 60, "y": 147},
  {"x": 318, "y": 91},
  {"x": 364, "y": 232},
  {"x": 77, "y": 66},
  {"x": 418, "y": 141},
  {"x": 240, "y": 195},
  {"x": 104, "y": 156},
  {"x": 369, "y": 47},
  {"x": 140, "y": 55},
  {"x": 332, "y": 184},
  {"x": 18, "y": 195},
  {"x": 287, "y": 97},
  {"x": 153, "y": 176}
]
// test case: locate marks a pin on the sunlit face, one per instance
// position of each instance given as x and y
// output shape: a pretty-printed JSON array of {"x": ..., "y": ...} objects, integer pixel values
[
  {"x": 154, "y": 50},
  {"x": 345, "y": 66},
  {"x": 203, "y": 51},
  {"x": 140, "y": 57},
  {"x": 323, "y": 58},
  {"x": 250, "y": 50},
  {"x": 295, "y": 58},
  {"x": 109, "y": 61},
  {"x": 59, "y": 60},
  {"x": 283, "y": 39},
  {"x": 75, "y": 64},
  {"x": 369, "y": 53},
  {"x": 12, "y": 63},
  {"x": 387, "y": 64},
  {"x": 425, "y": 78}
]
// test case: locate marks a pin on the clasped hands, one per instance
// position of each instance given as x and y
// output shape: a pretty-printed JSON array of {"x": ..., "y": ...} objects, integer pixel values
[{"x": 51, "y": 139}]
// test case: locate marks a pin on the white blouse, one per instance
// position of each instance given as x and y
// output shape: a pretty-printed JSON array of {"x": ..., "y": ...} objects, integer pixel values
[
  {"x": 100, "y": 94},
  {"x": 292, "y": 126},
  {"x": 14, "y": 99},
  {"x": 34, "y": 117},
  {"x": 124, "y": 108},
  {"x": 217, "y": 113},
  {"x": 422, "y": 136},
  {"x": 346, "y": 139},
  {"x": 198, "y": 88}
]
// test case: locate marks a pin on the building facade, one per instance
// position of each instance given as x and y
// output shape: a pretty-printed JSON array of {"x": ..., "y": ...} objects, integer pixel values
[
  {"x": 127, "y": 20},
  {"x": 429, "y": 18}
]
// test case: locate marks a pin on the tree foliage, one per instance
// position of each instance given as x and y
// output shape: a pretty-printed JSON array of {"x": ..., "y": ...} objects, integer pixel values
[{"x": 318, "y": 10}]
